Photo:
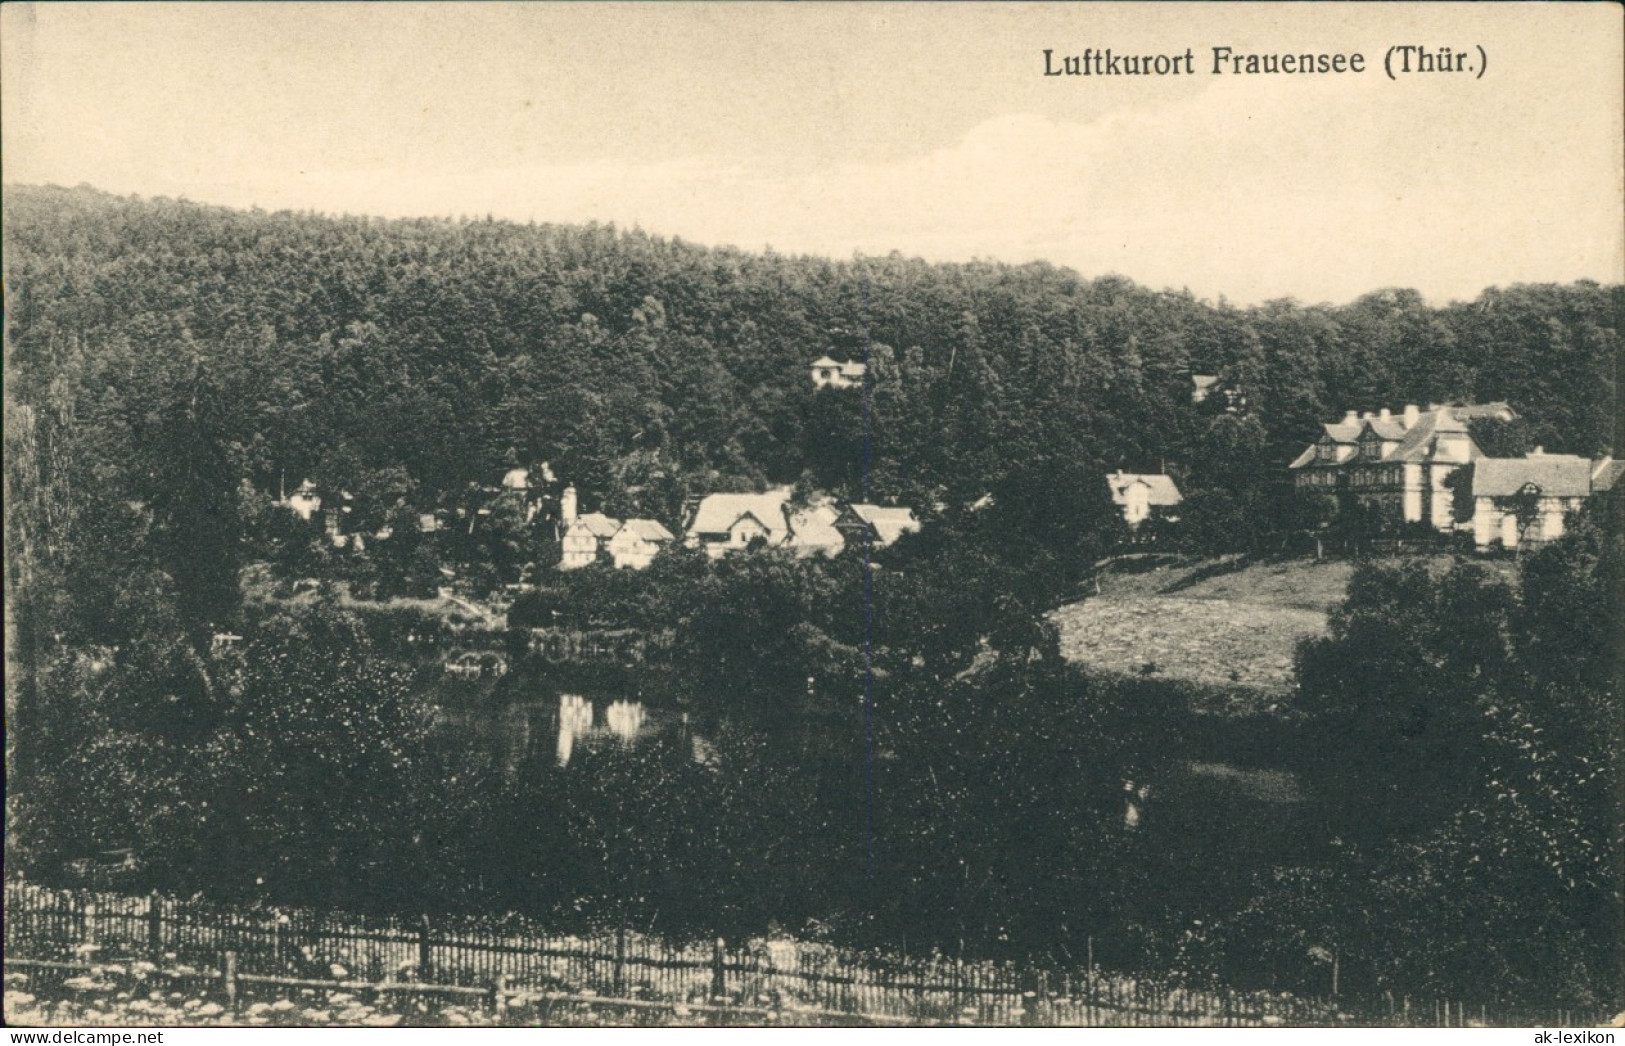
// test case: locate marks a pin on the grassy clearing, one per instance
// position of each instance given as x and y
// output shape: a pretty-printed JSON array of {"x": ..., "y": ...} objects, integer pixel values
[
  {"x": 1211, "y": 642},
  {"x": 1227, "y": 623}
]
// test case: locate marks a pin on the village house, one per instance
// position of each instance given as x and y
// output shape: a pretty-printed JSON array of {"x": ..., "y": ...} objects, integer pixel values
[
  {"x": 584, "y": 537},
  {"x": 832, "y": 374},
  {"x": 304, "y": 502},
  {"x": 1397, "y": 463},
  {"x": 813, "y": 531},
  {"x": 1523, "y": 501},
  {"x": 1142, "y": 495},
  {"x": 637, "y": 542},
  {"x": 724, "y": 523},
  {"x": 875, "y": 526},
  {"x": 592, "y": 537}
]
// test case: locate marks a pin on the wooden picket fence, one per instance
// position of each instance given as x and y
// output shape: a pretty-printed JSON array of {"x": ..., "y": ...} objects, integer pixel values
[{"x": 233, "y": 951}]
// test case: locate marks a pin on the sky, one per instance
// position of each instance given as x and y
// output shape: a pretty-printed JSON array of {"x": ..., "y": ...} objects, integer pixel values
[{"x": 839, "y": 128}]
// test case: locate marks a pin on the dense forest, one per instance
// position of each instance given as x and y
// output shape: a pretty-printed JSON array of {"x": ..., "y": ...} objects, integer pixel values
[
  {"x": 170, "y": 367},
  {"x": 168, "y": 352}
]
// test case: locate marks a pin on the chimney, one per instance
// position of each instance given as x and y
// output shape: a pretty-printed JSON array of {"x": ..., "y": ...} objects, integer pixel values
[
  {"x": 1538, "y": 452},
  {"x": 1384, "y": 415},
  {"x": 1351, "y": 417},
  {"x": 1411, "y": 414},
  {"x": 1366, "y": 416},
  {"x": 567, "y": 506}
]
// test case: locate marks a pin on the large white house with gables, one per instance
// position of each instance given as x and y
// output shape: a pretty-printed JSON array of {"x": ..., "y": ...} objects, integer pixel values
[{"x": 1397, "y": 461}]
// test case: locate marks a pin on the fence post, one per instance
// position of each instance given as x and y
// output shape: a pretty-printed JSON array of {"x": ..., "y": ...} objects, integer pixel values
[
  {"x": 1040, "y": 997},
  {"x": 229, "y": 976},
  {"x": 499, "y": 996},
  {"x": 155, "y": 927},
  {"x": 620, "y": 960},
  {"x": 719, "y": 972},
  {"x": 1089, "y": 984},
  {"x": 283, "y": 951},
  {"x": 87, "y": 921},
  {"x": 423, "y": 950},
  {"x": 1335, "y": 971}
]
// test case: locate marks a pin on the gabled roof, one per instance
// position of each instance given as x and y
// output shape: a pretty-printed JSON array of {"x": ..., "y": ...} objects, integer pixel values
[
  {"x": 1306, "y": 458},
  {"x": 645, "y": 530},
  {"x": 889, "y": 522},
  {"x": 1343, "y": 431},
  {"x": 1421, "y": 442},
  {"x": 597, "y": 524},
  {"x": 1160, "y": 488},
  {"x": 812, "y": 529},
  {"x": 825, "y": 361},
  {"x": 1554, "y": 475},
  {"x": 1389, "y": 429},
  {"x": 1605, "y": 473},
  {"x": 1418, "y": 442},
  {"x": 853, "y": 368},
  {"x": 717, "y": 513}
]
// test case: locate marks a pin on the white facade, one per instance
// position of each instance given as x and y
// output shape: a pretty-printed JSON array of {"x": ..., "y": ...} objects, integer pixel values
[
  {"x": 637, "y": 542},
  {"x": 833, "y": 374}
]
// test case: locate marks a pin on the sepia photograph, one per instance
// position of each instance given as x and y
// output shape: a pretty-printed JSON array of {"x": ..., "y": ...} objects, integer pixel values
[{"x": 878, "y": 515}]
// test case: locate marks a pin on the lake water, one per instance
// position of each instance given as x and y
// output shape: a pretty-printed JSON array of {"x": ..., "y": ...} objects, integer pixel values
[{"x": 560, "y": 728}]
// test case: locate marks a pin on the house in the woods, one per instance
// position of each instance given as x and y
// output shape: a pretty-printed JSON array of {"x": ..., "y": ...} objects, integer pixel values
[
  {"x": 813, "y": 531},
  {"x": 1396, "y": 462},
  {"x": 875, "y": 526},
  {"x": 1211, "y": 388},
  {"x": 304, "y": 502},
  {"x": 637, "y": 542},
  {"x": 584, "y": 536},
  {"x": 1523, "y": 501},
  {"x": 723, "y": 523},
  {"x": 833, "y": 374},
  {"x": 528, "y": 484},
  {"x": 1139, "y": 496}
]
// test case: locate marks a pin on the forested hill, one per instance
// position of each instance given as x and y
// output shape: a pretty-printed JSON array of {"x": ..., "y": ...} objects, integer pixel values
[{"x": 423, "y": 354}]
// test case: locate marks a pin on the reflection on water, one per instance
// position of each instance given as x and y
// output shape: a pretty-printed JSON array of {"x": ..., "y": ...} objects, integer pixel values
[
  {"x": 559, "y": 728},
  {"x": 624, "y": 721}
]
